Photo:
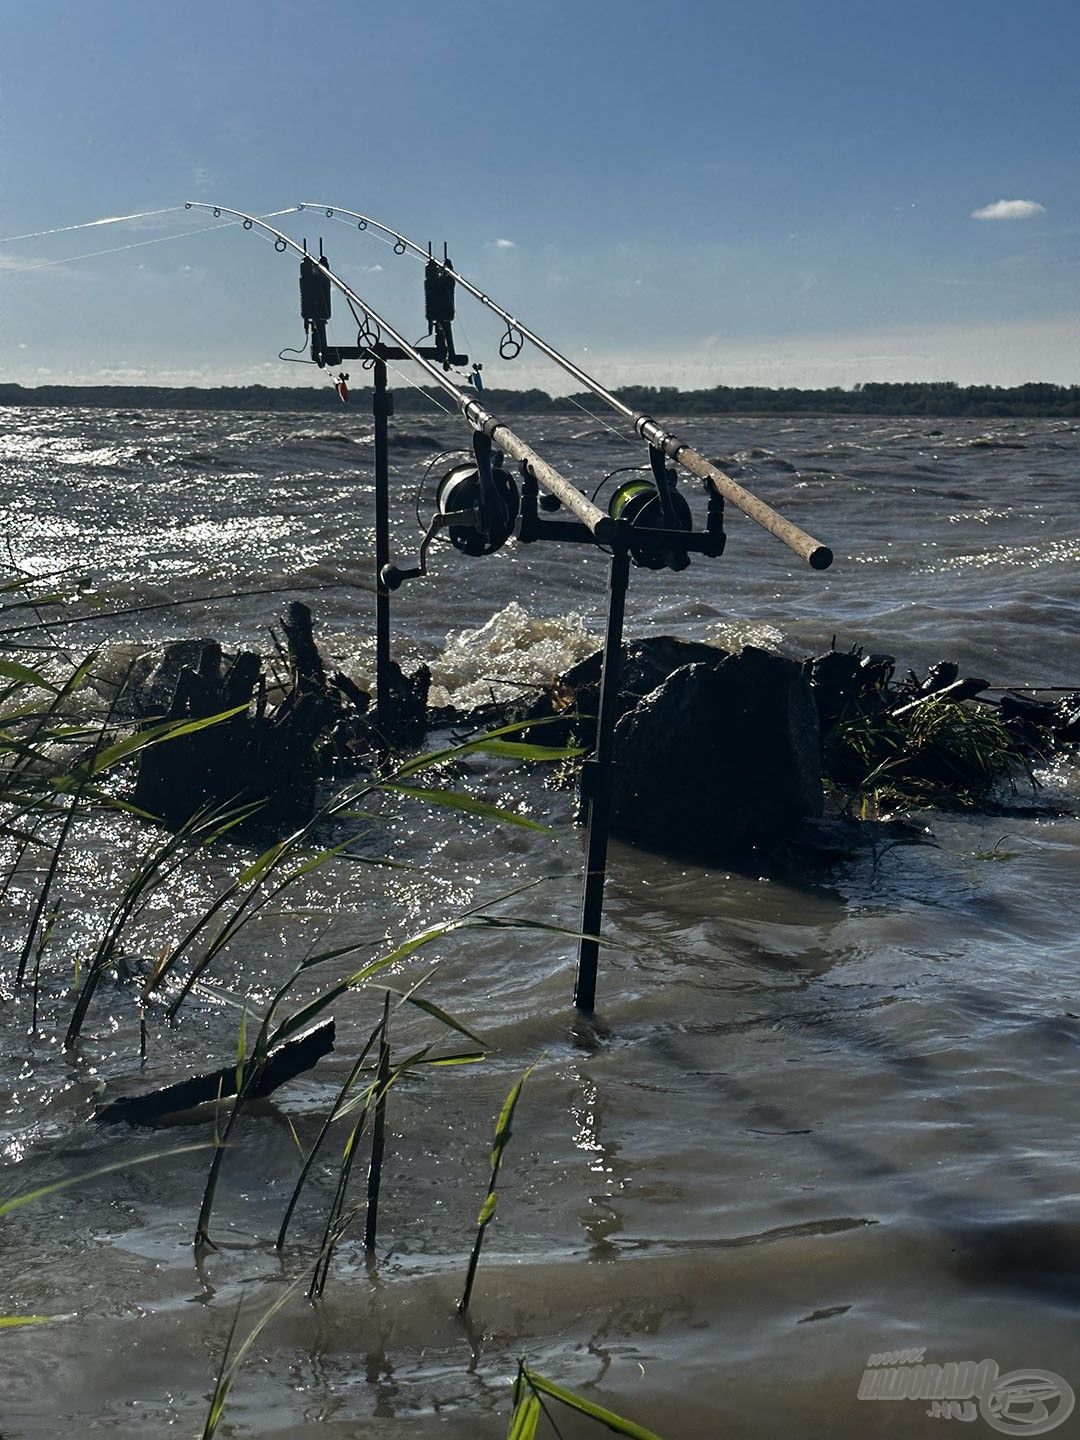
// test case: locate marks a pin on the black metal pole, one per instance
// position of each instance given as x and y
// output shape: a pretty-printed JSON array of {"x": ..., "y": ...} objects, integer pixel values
[
  {"x": 382, "y": 407},
  {"x": 597, "y": 778}
]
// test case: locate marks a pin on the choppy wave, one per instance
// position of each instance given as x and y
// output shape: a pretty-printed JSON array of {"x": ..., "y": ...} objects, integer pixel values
[
  {"x": 509, "y": 654},
  {"x": 207, "y": 460},
  {"x": 322, "y": 437},
  {"x": 888, "y": 1045},
  {"x": 994, "y": 442}
]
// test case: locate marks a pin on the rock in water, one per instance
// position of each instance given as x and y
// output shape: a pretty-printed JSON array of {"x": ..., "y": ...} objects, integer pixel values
[
  {"x": 719, "y": 760},
  {"x": 645, "y": 664}
]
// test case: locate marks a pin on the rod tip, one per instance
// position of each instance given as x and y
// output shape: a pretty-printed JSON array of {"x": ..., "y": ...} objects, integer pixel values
[{"x": 820, "y": 558}]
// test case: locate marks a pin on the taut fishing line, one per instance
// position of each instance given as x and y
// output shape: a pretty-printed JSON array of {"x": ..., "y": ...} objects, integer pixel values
[
  {"x": 135, "y": 244},
  {"x": 187, "y": 600},
  {"x": 90, "y": 224},
  {"x": 119, "y": 249}
]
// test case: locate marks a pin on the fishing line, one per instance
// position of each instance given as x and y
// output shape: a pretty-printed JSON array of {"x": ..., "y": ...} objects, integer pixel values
[
  {"x": 135, "y": 244},
  {"x": 605, "y": 424},
  {"x": 191, "y": 600},
  {"x": 409, "y": 381},
  {"x": 115, "y": 250},
  {"x": 89, "y": 224}
]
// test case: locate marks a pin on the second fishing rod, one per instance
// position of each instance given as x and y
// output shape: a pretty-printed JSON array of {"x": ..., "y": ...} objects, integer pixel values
[{"x": 818, "y": 555}]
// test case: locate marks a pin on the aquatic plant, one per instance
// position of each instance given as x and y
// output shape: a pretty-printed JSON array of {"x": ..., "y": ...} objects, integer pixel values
[
  {"x": 941, "y": 752},
  {"x": 59, "y": 764},
  {"x": 503, "y": 1131},
  {"x": 530, "y": 1392}
]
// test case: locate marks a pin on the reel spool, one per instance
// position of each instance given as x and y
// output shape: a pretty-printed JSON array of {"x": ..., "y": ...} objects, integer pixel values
[
  {"x": 638, "y": 502},
  {"x": 476, "y": 503},
  {"x": 495, "y": 507}
]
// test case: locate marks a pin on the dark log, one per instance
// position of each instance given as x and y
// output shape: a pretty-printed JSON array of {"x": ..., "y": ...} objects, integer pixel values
[
  {"x": 360, "y": 699},
  {"x": 965, "y": 689},
  {"x": 283, "y": 1063},
  {"x": 407, "y": 707},
  {"x": 306, "y": 662}
]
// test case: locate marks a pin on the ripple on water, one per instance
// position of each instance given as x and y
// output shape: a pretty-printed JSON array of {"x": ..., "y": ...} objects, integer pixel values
[{"x": 845, "y": 1099}]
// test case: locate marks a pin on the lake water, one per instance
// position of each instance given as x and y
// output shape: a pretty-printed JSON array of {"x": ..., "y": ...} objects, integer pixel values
[{"x": 814, "y": 1120}]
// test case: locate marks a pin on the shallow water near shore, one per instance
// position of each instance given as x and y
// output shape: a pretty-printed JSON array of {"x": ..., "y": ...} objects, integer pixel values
[{"x": 815, "y": 1119}]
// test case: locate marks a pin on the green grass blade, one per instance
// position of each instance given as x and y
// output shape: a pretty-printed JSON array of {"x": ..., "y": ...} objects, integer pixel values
[
  {"x": 261, "y": 864},
  {"x": 16, "y": 1201},
  {"x": 158, "y": 734},
  {"x": 504, "y": 1125},
  {"x": 482, "y": 742},
  {"x": 12, "y": 670},
  {"x": 472, "y": 1057},
  {"x": 615, "y": 1423},
  {"x": 444, "y": 1017},
  {"x": 503, "y": 1128},
  {"x": 241, "y": 1049},
  {"x": 521, "y": 750},
  {"x": 525, "y": 1419}
]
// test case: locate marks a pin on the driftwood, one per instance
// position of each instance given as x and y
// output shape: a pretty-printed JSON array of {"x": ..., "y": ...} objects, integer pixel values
[
  {"x": 699, "y": 753},
  {"x": 283, "y": 1063},
  {"x": 267, "y": 758},
  {"x": 940, "y": 740}
]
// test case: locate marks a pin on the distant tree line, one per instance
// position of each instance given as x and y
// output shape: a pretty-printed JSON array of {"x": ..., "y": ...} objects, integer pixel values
[{"x": 905, "y": 397}]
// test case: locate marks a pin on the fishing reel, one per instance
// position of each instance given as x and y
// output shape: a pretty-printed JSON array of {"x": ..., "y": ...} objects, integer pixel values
[
  {"x": 653, "y": 505},
  {"x": 491, "y": 505},
  {"x": 476, "y": 504}
]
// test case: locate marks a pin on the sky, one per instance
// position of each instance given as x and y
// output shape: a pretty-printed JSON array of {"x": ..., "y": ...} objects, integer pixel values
[{"x": 783, "y": 192}]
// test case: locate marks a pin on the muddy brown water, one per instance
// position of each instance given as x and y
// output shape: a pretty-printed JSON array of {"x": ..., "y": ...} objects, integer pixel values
[{"x": 818, "y": 1118}]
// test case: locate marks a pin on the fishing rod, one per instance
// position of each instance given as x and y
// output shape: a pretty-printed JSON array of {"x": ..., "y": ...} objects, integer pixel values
[
  {"x": 819, "y": 556},
  {"x": 601, "y": 526}
]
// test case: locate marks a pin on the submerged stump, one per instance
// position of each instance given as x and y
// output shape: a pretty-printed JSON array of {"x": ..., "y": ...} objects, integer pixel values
[{"x": 266, "y": 758}]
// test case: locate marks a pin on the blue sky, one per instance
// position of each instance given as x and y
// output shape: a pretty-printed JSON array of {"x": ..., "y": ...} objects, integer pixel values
[{"x": 695, "y": 193}]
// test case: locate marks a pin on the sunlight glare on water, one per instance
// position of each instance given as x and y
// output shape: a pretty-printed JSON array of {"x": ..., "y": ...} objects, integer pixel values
[{"x": 819, "y": 1116}]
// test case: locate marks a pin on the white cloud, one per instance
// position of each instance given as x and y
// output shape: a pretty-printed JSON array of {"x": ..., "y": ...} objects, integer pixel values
[
  {"x": 1009, "y": 210},
  {"x": 505, "y": 245}
]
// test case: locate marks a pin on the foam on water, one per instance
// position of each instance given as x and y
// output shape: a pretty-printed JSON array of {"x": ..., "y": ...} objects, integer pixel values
[{"x": 510, "y": 653}]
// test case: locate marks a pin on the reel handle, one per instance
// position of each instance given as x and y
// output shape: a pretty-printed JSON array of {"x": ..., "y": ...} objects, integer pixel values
[{"x": 393, "y": 576}]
